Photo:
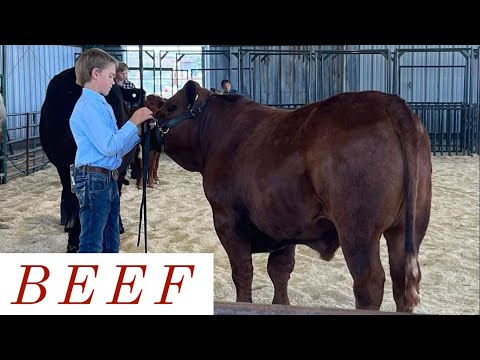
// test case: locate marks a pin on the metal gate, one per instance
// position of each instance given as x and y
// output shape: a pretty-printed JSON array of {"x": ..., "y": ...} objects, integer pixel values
[{"x": 437, "y": 84}]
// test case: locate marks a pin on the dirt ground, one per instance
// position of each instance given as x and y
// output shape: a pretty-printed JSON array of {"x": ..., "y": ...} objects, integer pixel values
[{"x": 180, "y": 220}]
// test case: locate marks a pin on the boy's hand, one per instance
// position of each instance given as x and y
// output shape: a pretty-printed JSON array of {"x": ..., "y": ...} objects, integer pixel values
[{"x": 141, "y": 115}]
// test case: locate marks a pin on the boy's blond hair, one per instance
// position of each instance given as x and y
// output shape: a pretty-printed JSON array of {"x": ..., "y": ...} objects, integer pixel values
[{"x": 90, "y": 59}]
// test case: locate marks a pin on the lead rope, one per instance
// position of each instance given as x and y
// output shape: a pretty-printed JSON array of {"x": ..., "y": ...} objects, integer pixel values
[
  {"x": 145, "y": 150},
  {"x": 143, "y": 205}
]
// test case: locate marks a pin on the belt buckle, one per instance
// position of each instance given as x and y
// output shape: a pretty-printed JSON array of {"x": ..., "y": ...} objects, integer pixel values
[{"x": 115, "y": 174}]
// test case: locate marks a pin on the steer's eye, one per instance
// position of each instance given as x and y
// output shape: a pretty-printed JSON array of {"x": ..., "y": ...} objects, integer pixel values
[{"x": 171, "y": 109}]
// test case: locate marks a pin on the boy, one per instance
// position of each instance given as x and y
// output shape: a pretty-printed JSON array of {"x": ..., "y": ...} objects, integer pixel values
[{"x": 100, "y": 147}]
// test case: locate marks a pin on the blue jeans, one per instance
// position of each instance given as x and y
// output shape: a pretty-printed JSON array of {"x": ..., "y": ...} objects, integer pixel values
[{"x": 99, "y": 212}]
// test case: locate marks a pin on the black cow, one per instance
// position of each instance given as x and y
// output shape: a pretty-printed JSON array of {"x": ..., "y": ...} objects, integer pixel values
[{"x": 58, "y": 142}]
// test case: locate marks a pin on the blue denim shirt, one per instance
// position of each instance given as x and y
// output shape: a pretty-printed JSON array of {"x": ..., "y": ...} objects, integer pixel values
[{"x": 94, "y": 128}]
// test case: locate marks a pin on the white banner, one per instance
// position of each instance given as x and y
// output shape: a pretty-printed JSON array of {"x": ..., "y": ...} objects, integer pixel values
[{"x": 106, "y": 284}]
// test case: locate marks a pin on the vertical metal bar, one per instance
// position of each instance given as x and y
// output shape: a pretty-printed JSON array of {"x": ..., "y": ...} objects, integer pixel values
[
  {"x": 452, "y": 80},
  {"x": 470, "y": 102},
  {"x": 320, "y": 74},
  {"x": 464, "y": 109},
  {"x": 153, "y": 73},
  {"x": 396, "y": 77},
  {"x": 394, "y": 72},
  {"x": 315, "y": 76},
  {"x": 477, "y": 110},
  {"x": 372, "y": 69},
  {"x": 388, "y": 72},
  {"x": 464, "y": 128},
  {"x": 434, "y": 132},
  {"x": 3, "y": 144},
  {"x": 160, "y": 77},
  {"x": 202, "y": 57},
  {"x": 466, "y": 81},
  {"x": 321, "y": 80},
  {"x": 438, "y": 76},
  {"x": 240, "y": 68},
  {"x": 140, "y": 64},
  {"x": 468, "y": 113},
  {"x": 252, "y": 77},
  {"x": 34, "y": 120},
  {"x": 441, "y": 126},
  {"x": 307, "y": 78},
  {"x": 28, "y": 145},
  {"x": 260, "y": 76},
  {"x": 229, "y": 72},
  {"x": 433, "y": 115},
  {"x": 280, "y": 87},
  {"x": 5, "y": 126},
  {"x": 449, "y": 131},
  {"x": 425, "y": 78},
  {"x": 175, "y": 72},
  {"x": 456, "y": 131}
]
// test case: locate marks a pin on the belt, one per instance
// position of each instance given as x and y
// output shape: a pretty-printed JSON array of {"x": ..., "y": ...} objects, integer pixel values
[{"x": 97, "y": 169}]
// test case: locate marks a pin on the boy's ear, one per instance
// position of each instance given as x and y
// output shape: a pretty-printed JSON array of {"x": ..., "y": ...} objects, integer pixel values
[{"x": 94, "y": 73}]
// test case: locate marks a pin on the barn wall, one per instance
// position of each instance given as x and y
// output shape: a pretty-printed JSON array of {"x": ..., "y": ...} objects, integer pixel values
[
  {"x": 270, "y": 74},
  {"x": 28, "y": 70},
  {"x": 291, "y": 78},
  {"x": 444, "y": 81}
]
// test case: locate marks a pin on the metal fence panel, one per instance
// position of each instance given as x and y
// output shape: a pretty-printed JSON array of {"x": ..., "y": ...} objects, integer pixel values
[{"x": 28, "y": 70}]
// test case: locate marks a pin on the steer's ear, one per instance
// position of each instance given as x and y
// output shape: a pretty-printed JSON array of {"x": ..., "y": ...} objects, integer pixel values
[{"x": 190, "y": 92}]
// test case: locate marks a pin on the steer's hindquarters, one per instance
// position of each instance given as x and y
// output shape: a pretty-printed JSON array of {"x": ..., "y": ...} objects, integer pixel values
[{"x": 361, "y": 174}]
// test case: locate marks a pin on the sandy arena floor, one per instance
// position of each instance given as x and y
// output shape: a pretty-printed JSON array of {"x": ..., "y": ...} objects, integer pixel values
[{"x": 180, "y": 220}]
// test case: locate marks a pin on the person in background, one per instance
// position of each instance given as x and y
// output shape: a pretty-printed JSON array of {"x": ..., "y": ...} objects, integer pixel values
[
  {"x": 121, "y": 77},
  {"x": 100, "y": 147},
  {"x": 227, "y": 87}
]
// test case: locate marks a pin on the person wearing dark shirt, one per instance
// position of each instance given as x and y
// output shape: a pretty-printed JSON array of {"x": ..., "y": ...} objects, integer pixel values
[{"x": 227, "y": 87}]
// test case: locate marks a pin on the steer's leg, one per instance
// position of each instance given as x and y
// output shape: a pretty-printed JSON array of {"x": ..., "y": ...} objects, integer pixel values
[
  {"x": 155, "y": 166},
  {"x": 396, "y": 255},
  {"x": 151, "y": 169},
  {"x": 407, "y": 298},
  {"x": 280, "y": 265},
  {"x": 238, "y": 250},
  {"x": 361, "y": 250},
  {"x": 139, "y": 165},
  {"x": 74, "y": 232},
  {"x": 72, "y": 226}
]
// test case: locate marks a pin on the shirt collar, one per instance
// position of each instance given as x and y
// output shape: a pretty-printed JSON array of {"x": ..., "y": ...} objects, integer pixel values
[{"x": 94, "y": 95}]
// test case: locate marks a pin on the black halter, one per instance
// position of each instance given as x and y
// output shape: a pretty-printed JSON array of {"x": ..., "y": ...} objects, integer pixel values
[{"x": 178, "y": 119}]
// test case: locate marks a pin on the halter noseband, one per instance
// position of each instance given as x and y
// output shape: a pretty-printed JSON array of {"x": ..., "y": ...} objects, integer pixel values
[{"x": 180, "y": 118}]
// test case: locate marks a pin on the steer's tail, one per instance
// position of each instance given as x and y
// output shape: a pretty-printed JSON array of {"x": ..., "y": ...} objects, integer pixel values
[{"x": 406, "y": 125}]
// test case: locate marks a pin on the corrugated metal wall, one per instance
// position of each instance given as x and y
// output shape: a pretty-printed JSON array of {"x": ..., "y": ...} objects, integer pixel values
[
  {"x": 271, "y": 74},
  {"x": 448, "y": 74},
  {"x": 438, "y": 74},
  {"x": 28, "y": 70}
]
